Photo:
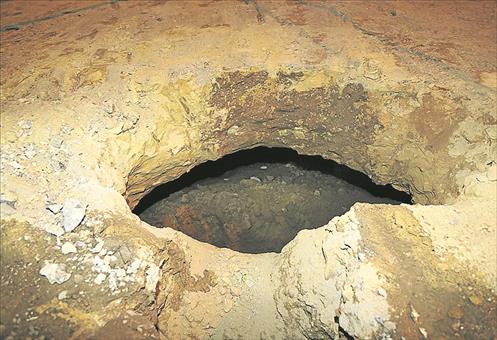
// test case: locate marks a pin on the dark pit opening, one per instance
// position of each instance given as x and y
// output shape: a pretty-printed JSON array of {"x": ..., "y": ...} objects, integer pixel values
[{"x": 257, "y": 200}]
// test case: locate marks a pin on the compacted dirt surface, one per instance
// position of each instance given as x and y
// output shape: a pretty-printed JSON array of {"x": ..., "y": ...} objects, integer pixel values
[{"x": 103, "y": 101}]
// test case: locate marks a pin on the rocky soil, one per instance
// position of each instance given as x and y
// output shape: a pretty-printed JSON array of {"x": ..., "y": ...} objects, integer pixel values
[
  {"x": 103, "y": 101},
  {"x": 257, "y": 208}
]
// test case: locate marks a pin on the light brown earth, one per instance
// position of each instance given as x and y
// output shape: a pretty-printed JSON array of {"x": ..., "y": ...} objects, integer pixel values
[{"x": 103, "y": 104}]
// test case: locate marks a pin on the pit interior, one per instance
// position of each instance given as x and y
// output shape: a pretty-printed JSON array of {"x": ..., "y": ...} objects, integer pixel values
[{"x": 257, "y": 200}]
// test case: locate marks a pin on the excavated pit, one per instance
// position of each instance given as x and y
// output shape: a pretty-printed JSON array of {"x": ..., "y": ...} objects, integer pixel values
[{"x": 257, "y": 200}]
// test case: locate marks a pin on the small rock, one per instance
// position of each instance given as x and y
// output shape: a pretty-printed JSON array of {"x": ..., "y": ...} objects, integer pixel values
[
  {"x": 134, "y": 266},
  {"x": 125, "y": 253},
  {"x": 26, "y": 124},
  {"x": 382, "y": 292},
  {"x": 456, "y": 312},
  {"x": 423, "y": 332},
  {"x": 16, "y": 165},
  {"x": 255, "y": 179},
  {"x": 68, "y": 248},
  {"x": 74, "y": 212},
  {"x": 475, "y": 300},
  {"x": 317, "y": 192},
  {"x": 54, "y": 229},
  {"x": 102, "y": 252},
  {"x": 62, "y": 295},
  {"x": 264, "y": 167},
  {"x": 56, "y": 141},
  {"x": 227, "y": 304},
  {"x": 269, "y": 178},
  {"x": 98, "y": 247},
  {"x": 100, "y": 278},
  {"x": 30, "y": 151},
  {"x": 54, "y": 208},
  {"x": 361, "y": 257},
  {"x": 55, "y": 273},
  {"x": 414, "y": 314},
  {"x": 100, "y": 266},
  {"x": 455, "y": 326}
]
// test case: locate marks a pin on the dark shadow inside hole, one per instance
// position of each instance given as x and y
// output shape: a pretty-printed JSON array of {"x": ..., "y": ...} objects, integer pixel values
[{"x": 233, "y": 202}]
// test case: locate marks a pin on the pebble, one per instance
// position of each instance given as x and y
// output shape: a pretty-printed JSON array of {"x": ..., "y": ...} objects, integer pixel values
[
  {"x": 25, "y": 124},
  {"x": 68, "y": 248},
  {"x": 62, "y": 295},
  {"x": 100, "y": 265},
  {"x": 475, "y": 300},
  {"x": 74, "y": 212},
  {"x": 264, "y": 167},
  {"x": 98, "y": 248},
  {"x": 414, "y": 314},
  {"x": 255, "y": 179},
  {"x": 361, "y": 257},
  {"x": 382, "y": 292},
  {"x": 54, "y": 229},
  {"x": 56, "y": 141},
  {"x": 100, "y": 278},
  {"x": 55, "y": 273},
  {"x": 30, "y": 151},
  {"x": 125, "y": 253},
  {"x": 55, "y": 208},
  {"x": 423, "y": 332},
  {"x": 456, "y": 312}
]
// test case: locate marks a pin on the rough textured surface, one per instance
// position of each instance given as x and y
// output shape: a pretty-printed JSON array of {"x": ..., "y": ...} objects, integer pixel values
[
  {"x": 102, "y": 105},
  {"x": 257, "y": 208}
]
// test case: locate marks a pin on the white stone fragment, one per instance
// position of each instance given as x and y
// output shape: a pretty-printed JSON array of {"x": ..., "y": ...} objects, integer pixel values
[
  {"x": 100, "y": 278},
  {"x": 414, "y": 314},
  {"x": 54, "y": 229},
  {"x": 74, "y": 212},
  {"x": 134, "y": 266},
  {"x": 113, "y": 280},
  {"x": 30, "y": 151},
  {"x": 361, "y": 257},
  {"x": 255, "y": 179},
  {"x": 98, "y": 247},
  {"x": 25, "y": 124},
  {"x": 423, "y": 332},
  {"x": 62, "y": 295},
  {"x": 55, "y": 273},
  {"x": 55, "y": 208},
  {"x": 382, "y": 292},
  {"x": 263, "y": 167},
  {"x": 68, "y": 248},
  {"x": 100, "y": 266}
]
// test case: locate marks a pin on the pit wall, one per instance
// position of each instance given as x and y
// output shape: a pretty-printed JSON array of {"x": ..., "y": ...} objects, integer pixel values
[{"x": 411, "y": 136}]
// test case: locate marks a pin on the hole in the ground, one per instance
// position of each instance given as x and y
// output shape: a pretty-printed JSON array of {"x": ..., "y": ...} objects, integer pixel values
[{"x": 257, "y": 200}]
